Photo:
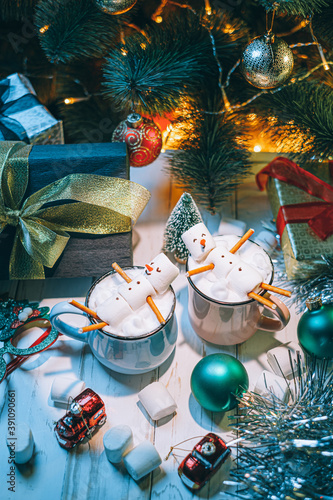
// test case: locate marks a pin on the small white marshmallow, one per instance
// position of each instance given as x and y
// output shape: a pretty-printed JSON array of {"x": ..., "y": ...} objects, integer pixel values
[
  {"x": 269, "y": 385},
  {"x": 161, "y": 272},
  {"x": 223, "y": 261},
  {"x": 113, "y": 310},
  {"x": 64, "y": 388},
  {"x": 198, "y": 241},
  {"x": 279, "y": 359},
  {"x": 142, "y": 460},
  {"x": 243, "y": 279},
  {"x": 157, "y": 400},
  {"x": 21, "y": 445},
  {"x": 117, "y": 441},
  {"x": 136, "y": 292}
]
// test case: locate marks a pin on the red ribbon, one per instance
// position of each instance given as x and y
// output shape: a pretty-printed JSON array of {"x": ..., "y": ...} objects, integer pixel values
[{"x": 318, "y": 214}]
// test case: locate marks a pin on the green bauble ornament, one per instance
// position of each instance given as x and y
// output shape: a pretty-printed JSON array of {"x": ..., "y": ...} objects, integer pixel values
[
  {"x": 216, "y": 380},
  {"x": 315, "y": 329}
]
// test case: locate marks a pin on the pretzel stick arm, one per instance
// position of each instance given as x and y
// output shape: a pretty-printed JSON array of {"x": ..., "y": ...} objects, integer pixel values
[
  {"x": 241, "y": 242},
  {"x": 262, "y": 300},
  {"x": 199, "y": 270},
  {"x": 275, "y": 289}
]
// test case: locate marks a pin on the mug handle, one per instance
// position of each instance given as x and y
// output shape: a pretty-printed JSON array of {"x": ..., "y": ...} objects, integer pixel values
[
  {"x": 63, "y": 327},
  {"x": 281, "y": 313}
]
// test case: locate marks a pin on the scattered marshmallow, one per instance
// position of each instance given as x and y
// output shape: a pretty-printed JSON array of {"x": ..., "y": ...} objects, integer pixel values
[
  {"x": 136, "y": 292},
  {"x": 157, "y": 400},
  {"x": 223, "y": 261},
  {"x": 232, "y": 226},
  {"x": 266, "y": 240},
  {"x": 117, "y": 441},
  {"x": 113, "y": 310},
  {"x": 268, "y": 383},
  {"x": 21, "y": 445},
  {"x": 64, "y": 388},
  {"x": 279, "y": 359},
  {"x": 142, "y": 460},
  {"x": 243, "y": 279},
  {"x": 198, "y": 241},
  {"x": 161, "y": 272},
  {"x": 22, "y": 316}
]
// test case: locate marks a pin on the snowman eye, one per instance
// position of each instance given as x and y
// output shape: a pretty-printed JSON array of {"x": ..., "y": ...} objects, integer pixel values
[
  {"x": 130, "y": 288},
  {"x": 138, "y": 282},
  {"x": 117, "y": 298},
  {"x": 222, "y": 256},
  {"x": 230, "y": 262},
  {"x": 240, "y": 269},
  {"x": 203, "y": 234},
  {"x": 195, "y": 239},
  {"x": 151, "y": 263},
  {"x": 158, "y": 270}
]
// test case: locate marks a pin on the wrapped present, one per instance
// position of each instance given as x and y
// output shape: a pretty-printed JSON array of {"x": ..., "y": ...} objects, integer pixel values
[
  {"x": 302, "y": 203},
  {"x": 66, "y": 210},
  {"x": 22, "y": 116}
]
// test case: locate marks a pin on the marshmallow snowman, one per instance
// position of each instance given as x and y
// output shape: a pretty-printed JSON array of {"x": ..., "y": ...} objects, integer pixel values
[
  {"x": 243, "y": 278},
  {"x": 161, "y": 272},
  {"x": 198, "y": 241},
  {"x": 113, "y": 310},
  {"x": 136, "y": 292},
  {"x": 223, "y": 261}
]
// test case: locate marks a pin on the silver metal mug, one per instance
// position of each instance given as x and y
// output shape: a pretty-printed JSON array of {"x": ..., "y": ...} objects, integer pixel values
[
  {"x": 129, "y": 355},
  {"x": 224, "y": 323}
]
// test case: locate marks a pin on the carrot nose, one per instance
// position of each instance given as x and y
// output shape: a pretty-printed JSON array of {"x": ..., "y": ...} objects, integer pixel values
[
  {"x": 203, "y": 242},
  {"x": 149, "y": 268}
]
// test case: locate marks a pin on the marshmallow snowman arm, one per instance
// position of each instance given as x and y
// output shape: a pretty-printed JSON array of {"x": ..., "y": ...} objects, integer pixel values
[
  {"x": 198, "y": 241},
  {"x": 136, "y": 292},
  {"x": 113, "y": 310},
  {"x": 161, "y": 272},
  {"x": 243, "y": 279},
  {"x": 223, "y": 261}
]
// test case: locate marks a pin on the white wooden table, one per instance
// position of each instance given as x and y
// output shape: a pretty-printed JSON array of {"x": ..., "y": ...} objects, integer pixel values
[{"x": 84, "y": 472}]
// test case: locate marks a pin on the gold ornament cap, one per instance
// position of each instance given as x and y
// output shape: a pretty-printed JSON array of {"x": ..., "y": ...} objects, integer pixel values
[
  {"x": 314, "y": 303},
  {"x": 134, "y": 120}
]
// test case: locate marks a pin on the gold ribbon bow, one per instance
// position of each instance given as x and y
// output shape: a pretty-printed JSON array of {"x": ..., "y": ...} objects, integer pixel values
[{"x": 102, "y": 205}]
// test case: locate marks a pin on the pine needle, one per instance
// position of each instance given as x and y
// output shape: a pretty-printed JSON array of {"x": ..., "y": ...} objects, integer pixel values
[
  {"x": 74, "y": 29},
  {"x": 295, "y": 7}
]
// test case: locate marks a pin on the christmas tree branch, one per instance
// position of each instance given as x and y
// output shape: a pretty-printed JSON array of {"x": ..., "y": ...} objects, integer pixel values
[
  {"x": 306, "y": 107},
  {"x": 74, "y": 30},
  {"x": 295, "y": 7},
  {"x": 156, "y": 71},
  {"x": 16, "y": 10},
  {"x": 211, "y": 161}
]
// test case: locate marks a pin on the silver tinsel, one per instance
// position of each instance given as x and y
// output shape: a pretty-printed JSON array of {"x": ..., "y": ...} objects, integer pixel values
[
  {"x": 267, "y": 61},
  {"x": 287, "y": 449}
]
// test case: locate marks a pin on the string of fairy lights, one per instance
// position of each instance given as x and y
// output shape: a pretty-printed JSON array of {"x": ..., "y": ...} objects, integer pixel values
[{"x": 228, "y": 107}]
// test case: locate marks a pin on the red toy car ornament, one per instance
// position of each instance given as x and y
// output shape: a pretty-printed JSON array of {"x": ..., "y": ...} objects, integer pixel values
[
  {"x": 87, "y": 411},
  {"x": 204, "y": 460}
]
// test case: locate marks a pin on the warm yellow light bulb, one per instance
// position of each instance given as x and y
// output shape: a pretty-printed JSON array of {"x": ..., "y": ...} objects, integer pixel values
[
  {"x": 257, "y": 148},
  {"x": 158, "y": 19},
  {"x": 44, "y": 28}
]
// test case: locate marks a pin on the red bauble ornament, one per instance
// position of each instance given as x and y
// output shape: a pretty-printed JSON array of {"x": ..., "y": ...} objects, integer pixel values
[{"x": 142, "y": 137}]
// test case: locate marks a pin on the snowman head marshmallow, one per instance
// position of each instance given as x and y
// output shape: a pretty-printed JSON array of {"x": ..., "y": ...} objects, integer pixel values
[
  {"x": 161, "y": 272},
  {"x": 199, "y": 241}
]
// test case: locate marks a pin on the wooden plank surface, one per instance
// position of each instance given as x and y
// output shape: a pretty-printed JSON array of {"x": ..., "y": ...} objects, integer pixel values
[{"x": 85, "y": 472}]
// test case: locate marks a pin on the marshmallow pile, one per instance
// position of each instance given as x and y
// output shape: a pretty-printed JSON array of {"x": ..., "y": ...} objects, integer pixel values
[
  {"x": 234, "y": 275},
  {"x": 124, "y": 305}
]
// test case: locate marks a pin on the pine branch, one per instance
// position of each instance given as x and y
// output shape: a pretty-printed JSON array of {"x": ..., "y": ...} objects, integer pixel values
[
  {"x": 307, "y": 107},
  {"x": 155, "y": 73},
  {"x": 211, "y": 162},
  {"x": 16, "y": 10},
  {"x": 322, "y": 25},
  {"x": 295, "y": 7},
  {"x": 74, "y": 29}
]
